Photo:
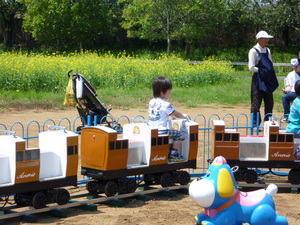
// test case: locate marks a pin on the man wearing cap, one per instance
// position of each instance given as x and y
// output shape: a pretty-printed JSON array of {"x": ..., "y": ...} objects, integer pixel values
[
  {"x": 289, "y": 88},
  {"x": 264, "y": 80}
]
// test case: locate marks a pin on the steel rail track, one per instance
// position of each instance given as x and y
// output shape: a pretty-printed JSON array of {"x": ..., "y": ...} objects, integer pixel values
[
  {"x": 90, "y": 201},
  {"x": 281, "y": 184}
]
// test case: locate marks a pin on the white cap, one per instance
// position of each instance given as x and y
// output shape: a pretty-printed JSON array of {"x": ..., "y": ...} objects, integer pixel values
[
  {"x": 295, "y": 62},
  {"x": 263, "y": 34}
]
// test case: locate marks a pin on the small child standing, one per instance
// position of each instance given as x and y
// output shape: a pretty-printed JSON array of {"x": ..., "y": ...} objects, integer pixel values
[
  {"x": 294, "y": 117},
  {"x": 160, "y": 110}
]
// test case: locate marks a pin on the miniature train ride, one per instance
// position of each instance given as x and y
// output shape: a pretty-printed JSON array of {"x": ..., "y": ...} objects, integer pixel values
[
  {"x": 37, "y": 176},
  {"x": 275, "y": 149}
]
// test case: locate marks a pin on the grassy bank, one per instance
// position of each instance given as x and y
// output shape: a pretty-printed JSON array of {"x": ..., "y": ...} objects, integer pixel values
[{"x": 229, "y": 94}]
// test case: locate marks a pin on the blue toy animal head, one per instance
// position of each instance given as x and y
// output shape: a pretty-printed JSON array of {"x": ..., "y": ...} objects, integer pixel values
[{"x": 215, "y": 187}]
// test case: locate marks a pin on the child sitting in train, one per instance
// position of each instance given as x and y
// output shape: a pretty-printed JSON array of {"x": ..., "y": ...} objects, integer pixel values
[
  {"x": 160, "y": 110},
  {"x": 294, "y": 116}
]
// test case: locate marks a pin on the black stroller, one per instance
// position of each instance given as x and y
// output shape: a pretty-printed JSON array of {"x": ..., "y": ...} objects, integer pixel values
[{"x": 89, "y": 105}]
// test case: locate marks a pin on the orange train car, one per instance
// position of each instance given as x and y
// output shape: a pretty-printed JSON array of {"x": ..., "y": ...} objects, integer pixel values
[
  {"x": 35, "y": 175},
  {"x": 109, "y": 160},
  {"x": 274, "y": 149}
]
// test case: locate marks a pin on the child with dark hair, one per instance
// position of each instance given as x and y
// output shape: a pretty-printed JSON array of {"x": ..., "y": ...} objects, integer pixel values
[
  {"x": 160, "y": 110},
  {"x": 294, "y": 117}
]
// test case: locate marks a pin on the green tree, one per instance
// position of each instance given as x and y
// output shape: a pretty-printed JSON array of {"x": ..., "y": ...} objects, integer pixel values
[
  {"x": 279, "y": 17},
  {"x": 65, "y": 23},
  {"x": 153, "y": 20},
  {"x": 283, "y": 18},
  {"x": 10, "y": 12},
  {"x": 169, "y": 20},
  {"x": 242, "y": 19},
  {"x": 91, "y": 20},
  {"x": 206, "y": 21}
]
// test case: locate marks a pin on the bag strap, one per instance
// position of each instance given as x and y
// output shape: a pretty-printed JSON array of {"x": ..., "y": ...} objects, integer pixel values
[{"x": 258, "y": 52}]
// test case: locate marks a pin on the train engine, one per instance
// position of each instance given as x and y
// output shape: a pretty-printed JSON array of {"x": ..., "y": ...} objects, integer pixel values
[
  {"x": 114, "y": 163},
  {"x": 274, "y": 149}
]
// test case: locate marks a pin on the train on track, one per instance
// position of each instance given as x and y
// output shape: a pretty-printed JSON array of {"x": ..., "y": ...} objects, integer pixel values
[
  {"x": 118, "y": 163},
  {"x": 114, "y": 164},
  {"x": 275, "y": 149}
]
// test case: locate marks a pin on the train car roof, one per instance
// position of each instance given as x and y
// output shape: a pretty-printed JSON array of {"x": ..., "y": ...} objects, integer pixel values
[{"x": 103, "y": 128}]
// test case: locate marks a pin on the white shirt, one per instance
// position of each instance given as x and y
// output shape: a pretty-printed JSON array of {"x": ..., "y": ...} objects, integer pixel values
[
  {"x": 159, "y": 112},
  {"x": 254, "y": 57},
  {"x": 291, "y": 79}
]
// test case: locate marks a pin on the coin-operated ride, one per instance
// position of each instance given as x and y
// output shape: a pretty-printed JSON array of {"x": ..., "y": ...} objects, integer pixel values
[{"x": 223, "y": 203}]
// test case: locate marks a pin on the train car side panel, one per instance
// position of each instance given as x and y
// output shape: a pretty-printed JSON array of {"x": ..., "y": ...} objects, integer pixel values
[
  {"x": 27, "y": 165},
  {"x": 193, "y": 142},
  {"x": 72, "y": 164},
  {"x": 281, "y": 146},
  {"x": 159, "y": 148},
  {"x": 94, "y": 144},
  {"x": 117, "y": 154},
  {"x": 101, "y": 150},
  {"x": 226, "y": 143}
]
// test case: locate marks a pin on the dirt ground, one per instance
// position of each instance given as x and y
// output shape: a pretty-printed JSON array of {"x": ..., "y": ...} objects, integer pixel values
[{"x": 160, "y": 210}]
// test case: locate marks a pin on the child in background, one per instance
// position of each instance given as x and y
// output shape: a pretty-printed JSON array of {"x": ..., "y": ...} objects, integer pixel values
[
  {"x": 289, "y": 89},
  {"x": 160, "y": 110},
  {"x": 294, "y": 117}
]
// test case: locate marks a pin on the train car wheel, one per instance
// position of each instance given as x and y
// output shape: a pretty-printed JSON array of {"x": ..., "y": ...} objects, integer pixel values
[
  {"x": 176, "y": 176},
  {"x": 240, "y": 174},
  {"x": 122, "y": 184},
  {"x": 20, "y": 200},
  {"x": 184, "y": 177},
  {"x": 166, "y": 180},
  {"x": 62, "y": 196},
  {"x": 149, "y": 179},
  {"x": 111, "y": 188},
  {"x": 93, "y": 187},
  {"x": 39, "y": 200},
  {"x": 250, "y": 176},
  {"x": 131, "y": 185},
  {"x": 294, "y": 176}
]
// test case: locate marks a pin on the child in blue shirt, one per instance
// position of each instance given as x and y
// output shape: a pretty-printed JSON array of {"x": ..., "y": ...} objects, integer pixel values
[
  {"x": 159, "y": 112},
  {"x": 294, "y": 116}
]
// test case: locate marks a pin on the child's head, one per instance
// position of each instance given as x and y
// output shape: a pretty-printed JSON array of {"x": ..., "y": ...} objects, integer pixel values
[
  {"x": 295, "y": 62},
  {"x": 161, "y": 85},
  {"x": 297, "y": 88}
]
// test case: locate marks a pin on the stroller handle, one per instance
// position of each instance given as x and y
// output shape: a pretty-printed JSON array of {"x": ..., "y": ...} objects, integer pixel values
[{"x": 69, "y": 73}]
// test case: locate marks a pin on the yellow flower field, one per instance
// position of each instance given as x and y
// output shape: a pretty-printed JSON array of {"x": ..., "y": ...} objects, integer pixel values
[{"x": 48, "y": 72}]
